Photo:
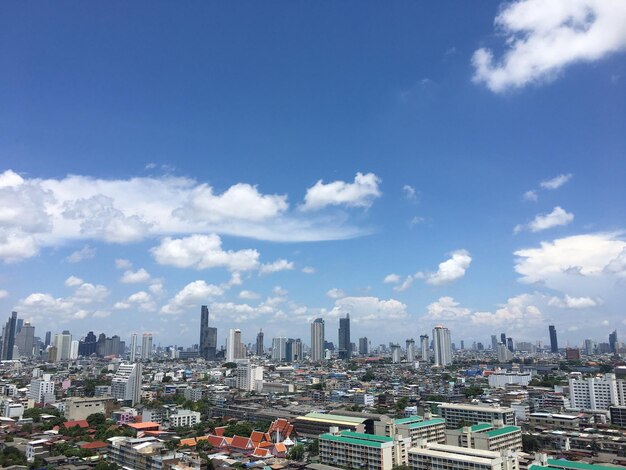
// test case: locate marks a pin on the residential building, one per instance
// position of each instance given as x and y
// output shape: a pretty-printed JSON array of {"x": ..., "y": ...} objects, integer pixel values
[
  {"x": 456, "y": 414},
  {"x": 25, "y": 340},
  {"x": 247, "y": 375},
  {"x": 594, "y": 393},
  {"x": 126, "y": 383},
  {"x": 184, "y": 418},
  {"x": 410, "y": 350},
  {"x": 414, "y": 427},
  {"x": 313, "y": 424},
  {"x": 234, "y": 347},
  {"x": 618, "y": 415},
  {"x": 133, "y": 348},
  {"x": 486, "y": 436},
  {"x": 563, "y": 422},
  {"x": 63, "y": 344},
  {"x": 349, "y": 449},
  {"x": 345, "y": 349},
  {"x": 317, "y": 340},
  {"x": 613, "y": 342},
  {"x": 504, "y": 354},
  {"x": 501, "y": 378},
  {"x": 77, "y": 408},
  {"x": 395, "y": 353},
  {"x": 363, "y": 346},
  {"x": 146, "y": 346},
  {"x": 42, "y": 389},
  {"x": 424, "y": 348},
  {"x": 442, "y": 345},
  {"x": 279, "y": 349},
  {"x": 427, "y": 456}
]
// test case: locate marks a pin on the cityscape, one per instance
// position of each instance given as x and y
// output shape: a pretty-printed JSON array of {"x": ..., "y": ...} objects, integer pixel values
[{"x": 288, "y": 235}]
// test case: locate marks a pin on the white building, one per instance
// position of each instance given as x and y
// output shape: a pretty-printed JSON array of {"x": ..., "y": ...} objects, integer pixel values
[
  {"x": 504, "y": 354},
  {"x": 248, "y": 376},
  {"x": 126, "y": 383},
  {"x": 596, "y": 393},
  {"x": 442, "y": 345},
  {"x": 63, "y": 343},
  {"x": 279, "y": 349},
  {"x": 502, "y": 378},
  {"x": 74, "y": 350},
  {"x": 146, "y": 346},
  {"x": 427, "y": 456},
  {"x": 456, "y": 414},
  {"x": 133, "y": 347},
  {"x": 42, "y": 389},
  {"x": 317, "y": 340},
  {"x": 184, "y": 418},
  {"x": 12, "y": 409},
  {"x": 234, "y": 347}
]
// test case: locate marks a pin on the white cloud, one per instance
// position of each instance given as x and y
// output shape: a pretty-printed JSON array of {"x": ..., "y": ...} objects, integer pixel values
[
  {"x": 141, "y": 300},
  {"x": 132, "y": 277},
  {"x": 88, "y": 293},
  {"x": 191, "y": 296},
  {"x": 558, "y": 217},
  {"x": 335, "y": 293},
  {"x": 3, "y": 293},
  {"x": 368, "y": 309},
  {"x": 156, "y": 288},
  {"x": 573, "y": 302},
  {"x": 83, "y": 254},
  {"x": 248, "y": 295},
  {"x": 542, "y": 38},
  {"x": 279, "y": 291},
  {"x": 123, "y": 264},
  {"x": 446, "y": 309},
  {"x": 361, "y": 193},
  {"x": 392, "y": 278},
  {"x": 73, "y": 281},
  {"x": 531, "y": 195},
  {"x": 556, "y": 182},
  {"x": 519, "y": 312},
  {"x": 37, "y": 213},
  {"x": 308, "y": 270},
  {"x": 276, "y": 266},
  {"x": 203, "y": 252},
  {"x": 408, "y": 282},
  {"x": 451, "y": 269},
  {"x": 409, "y": 192},
  {"x": 561, "y": 261}
]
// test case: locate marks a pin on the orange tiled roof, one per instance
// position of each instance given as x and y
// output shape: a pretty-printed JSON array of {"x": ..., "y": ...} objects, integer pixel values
[
  {"x": 82, "y": 423},
  {"x": 257, "y": 437},
  {"x": 94, "y": 445},
  {"x": 280, "y": 447},
  {"x": 216, "y": 441},
  {"x": 188, "y": 442},
  {"x": 240, "y": 442},
  {"x": 220, "y": 431},
  {"x": 261, "y": 453},
  {"x": 140, "y": 426}
]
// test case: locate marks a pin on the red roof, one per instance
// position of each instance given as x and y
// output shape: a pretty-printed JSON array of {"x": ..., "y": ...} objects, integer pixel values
[
  {"x": 240, "y": 442},
  {"x": 216, "y": 441},
  {"x": 220, "y": 431},
  {"x": 94, "y": 445},
  {"x": 80, "y": 423},
  {"x": 142, "y": 426},
  {"x": 257, "y": 437}
]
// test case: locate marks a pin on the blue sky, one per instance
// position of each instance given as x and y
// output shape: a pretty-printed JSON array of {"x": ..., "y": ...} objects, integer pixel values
[{"x": 280, "y": 161}]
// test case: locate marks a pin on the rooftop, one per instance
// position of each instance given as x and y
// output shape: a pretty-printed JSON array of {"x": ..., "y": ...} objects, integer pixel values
[
  {"x": 357, "y": 438},
  {"x": 502, "y": 431},
  {"x": 430, "y": 422},
  {"x": 410, "y": 419}
]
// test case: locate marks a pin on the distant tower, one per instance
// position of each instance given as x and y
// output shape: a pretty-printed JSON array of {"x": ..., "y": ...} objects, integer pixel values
[
  {"x": 234, "y": 347},
  {"x": 146, "y": 346},
  {"x": 442, "y": 346},
  {"x": 554, "y": 345},
  {"x": 133, "y": 347},
  {"x": 48, "y": 339},
  {"x": 317, "y": 340},
  {"x": 8, "y": 337},
  {"x": 208, "y": 336},
  {"x": 363, "y": 346},
  {"x": 503, "y": 338},
  {"x": 410, "y": 350},
  {"x": 395, "y": 353},
  {"x": 345, "y": 350},
  {"x": 259, "y": 344},
  {"x": 613, "y": 342},
  {"x": 494, "y": 342},
  {"x": 424, "y": 347}
]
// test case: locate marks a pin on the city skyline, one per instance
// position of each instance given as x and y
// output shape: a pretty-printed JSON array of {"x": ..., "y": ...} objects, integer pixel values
[{"x": 417, "y": 168}]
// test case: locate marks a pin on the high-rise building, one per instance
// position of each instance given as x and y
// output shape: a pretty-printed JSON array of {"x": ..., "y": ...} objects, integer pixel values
[
  {"x": 25, "y": 340},
  {"x": 259, "y": 349},
  {"x": 613, "y": 342},
  {"x": 588, "y": 347},
  {"x": 133, "y": 348},
  {"x": 317, "y": 340},
  {"x": 126, "y": 383},
  {"x": 19, "y": 325},
  {"x": 424, "y": 348},
  {"x": 554, "y": 345},
  {"x": 234, "y": 346},
  {"x": 494, "y": 342},
  {"x": 395, "y": 353},
  {"x": 410, "y": 350},
  {"x": 146, "y": 346},
  {"x": 279, "y": 349},
  {"x": 596, "y": 393},
  {"x": 442, "y": 345},
  {"x": 503, "y": 338},
  {"x": 208, "y": 336},
  {"x": 504, "y": 353},
  {"x": 296, "y": 352},
  {"x": 63, "y": 343},
  {"x": 8, "y": 337},
  {"x": 345, "y": 351},
  {"x": 48, "y": 339},
  {"x": 363, "y": 346},
  {"x": 74, "y": 350},
  {"x": 42, "y": 389},
  {"x": 509, "y": 344},
  {"x": 87, "y": 346}
]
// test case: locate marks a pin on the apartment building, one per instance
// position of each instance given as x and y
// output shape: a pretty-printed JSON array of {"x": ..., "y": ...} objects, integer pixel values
[
  {"x": 486, "y": 436},
  {"x": 184, "y": 418},
  {"x": 313, "y": 424},
  {"x": 349, "y": 449},
  {"x": 596, "y": 393},
  {"x": 458, "y": 414},
  {"x": 554, "y": 421},
  {"x": 427, "y": 456}
]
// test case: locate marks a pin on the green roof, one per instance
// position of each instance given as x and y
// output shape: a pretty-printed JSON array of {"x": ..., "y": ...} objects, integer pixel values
[
  {"x": 503, "y": 430},
  {"x": 410, "y": 419},
  {"x": 367, "y": 437},
  {"x": 348, "y": 440},
  {"x": 481, "y": 427},
  {"x": 430, "y": 422},
  {"x": 559, "y": 463}
]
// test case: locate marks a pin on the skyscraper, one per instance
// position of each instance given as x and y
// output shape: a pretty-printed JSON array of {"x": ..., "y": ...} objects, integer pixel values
[
  {"x": 494, "y": 342},
  {"x": 259, "y": 344},
  {"x": 87, "y": 346},
  {"x": 208, "y": 336},
  {"x": 317, "y": 340},
  {"x": 442, "y": 345},
  {"x": 363, "y": 346},
  {"x": 126, "y": 383},
  {"x": 63, "y": 343},
  {"x": 234, "y": 346},
  {"x": 345, "y": 350},
  {"x": 146, "y": 346},
  {"x": 279, "y": 349},
  {"x": 395, "y": 353},
  {"x": 554, "y": 345},
  {"x": 410, "y": 350},
  {"x": 25, "y": 340},
  {"x": 424, "y": 347},
  {"x": 8, "y": 337},
  {"x": 133, "y": 347},
  {"x": 48, "y": 339},
  {"x": 613, "y": 342},
  {"x": 503, "y": 338}
]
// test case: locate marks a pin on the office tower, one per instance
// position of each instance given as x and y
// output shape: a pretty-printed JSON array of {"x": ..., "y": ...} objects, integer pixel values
[
  {"x": 289, "y": 349},
  {"x": 504, "y": 354},
  {"x": 19, "y": 325},
  {"x": 317, "y": 340},
  {"x": 424, "y": 347},
  {"x": 74, "y": 350},
  {"x": 42, "y": 389},
  {"x": 410, "y": 350},
  {"x": 494, "y": 342},
  {"x": 101, "y": 344},
  {"x": 87, "y": 346},
  {"x": 363, "y": 346},
  {"x": 126, "y": 383},
  {"x": 509, "y": 344},
  {"x": 279, "y": 349},
  {"x": 442, "y": 346},
  {"x": 344, "y": 338},
  {"x": 8, "y": 337},
  {"x": 63, "y": 343},
  {"x": 25, "y": 340},
  {"x": 133, "y": 347},
  {"x": 613, "y": 342},
  {"x": 234, "y": 347},
  {"x": 503, "y": 338},
  {"x": 296, "y": 352},
  {"x": 208, "y": 336},
  {"x": 259, "y": 344},
  {"x": 588, "y": 347},
  {"x": 146, "y": 346},
  {"x": 48, "y": 339},
  {"x": 395, "y": 353},
  {"x": 554, "y": 345}
]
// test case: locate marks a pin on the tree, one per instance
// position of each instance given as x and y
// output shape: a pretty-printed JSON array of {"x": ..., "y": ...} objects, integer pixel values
[
  {"x": 297, "y": 453},
  {"x": 104, "y": 465},
  {"x": 240, "y": 429},
  {"x": 313, "y": 447},
  {"x": 368, "y": 376},
  {"x": 530, "y": 443},
  {"x": 472, "y": 391},
  {"x": 96, "y": 419},
  {"x": 166, "y": 379},
  {"x": 230, "y": 365}
]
